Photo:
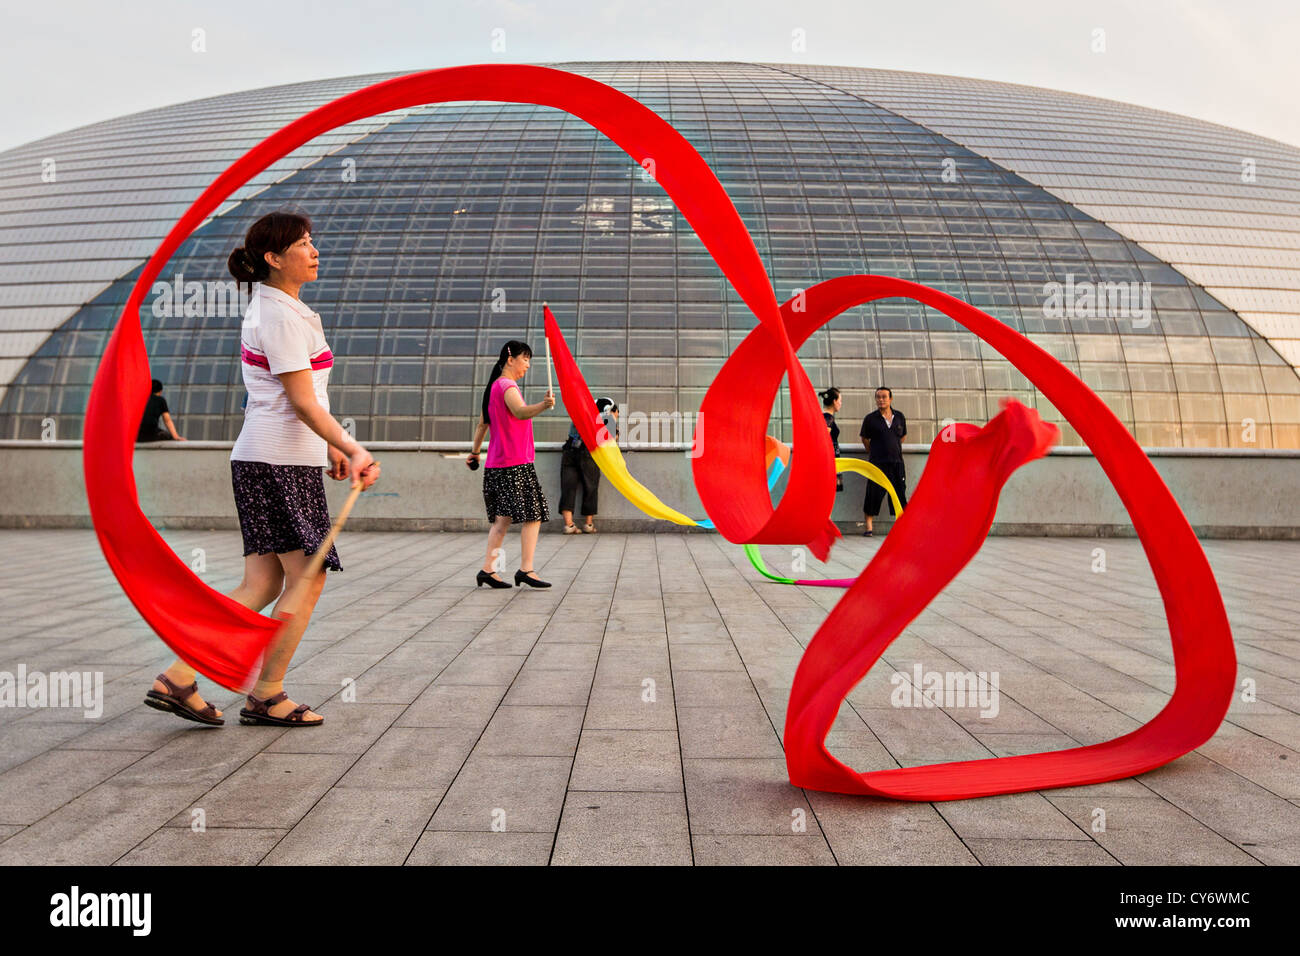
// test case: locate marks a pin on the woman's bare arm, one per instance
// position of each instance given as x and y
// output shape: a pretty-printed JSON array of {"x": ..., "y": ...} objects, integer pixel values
[
  {"x": 302, "y": 396},
  {"x": 167, "y": 420},
  {"x": 480, "y": 432},
  {"x": 515, "y": 402}
]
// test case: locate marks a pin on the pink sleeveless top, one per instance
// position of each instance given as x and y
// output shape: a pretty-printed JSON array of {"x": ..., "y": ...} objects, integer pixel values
[{"x": 510, "y": 440}]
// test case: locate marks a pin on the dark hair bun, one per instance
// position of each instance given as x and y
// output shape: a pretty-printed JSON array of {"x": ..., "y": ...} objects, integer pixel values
[{"x": 241, "y": 266}]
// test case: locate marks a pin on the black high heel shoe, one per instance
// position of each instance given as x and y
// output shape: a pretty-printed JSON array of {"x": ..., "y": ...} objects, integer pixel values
[
  {"x": 486, "y": 578},
  {"x": 521, "y": 577}
]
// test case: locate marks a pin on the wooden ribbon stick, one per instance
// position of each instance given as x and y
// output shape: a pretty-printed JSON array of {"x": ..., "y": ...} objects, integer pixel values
[
  {"x": 294, "y": 599},
  {"x": 549, "y": 387}
]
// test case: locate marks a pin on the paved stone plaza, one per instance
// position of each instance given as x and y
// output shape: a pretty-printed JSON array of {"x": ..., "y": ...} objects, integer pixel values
[{"x": 476, "y": 710}]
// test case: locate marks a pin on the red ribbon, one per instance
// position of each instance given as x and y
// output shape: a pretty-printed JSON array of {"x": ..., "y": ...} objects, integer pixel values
[{"x": 947, "y": 518}]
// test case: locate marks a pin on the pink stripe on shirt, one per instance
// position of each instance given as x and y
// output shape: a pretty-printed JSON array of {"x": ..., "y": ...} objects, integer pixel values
[
  {"x": 324, "y": 360},
  {"x": 253, "y": 358}
]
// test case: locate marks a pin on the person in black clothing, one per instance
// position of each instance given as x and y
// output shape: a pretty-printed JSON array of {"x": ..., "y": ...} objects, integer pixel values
[
  {"x": 832, "y": 403},
  {"x": 882, "y": 436},
  {"x": 156, "y": 415},
  {"x": 578, "y": 470}
]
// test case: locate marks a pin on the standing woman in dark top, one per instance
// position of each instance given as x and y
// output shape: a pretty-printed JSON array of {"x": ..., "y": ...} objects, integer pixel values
[
  {"x": 511, "y": 491},
  {"x": 831, "y": 403},
  {"x": 882, "y": 436}
]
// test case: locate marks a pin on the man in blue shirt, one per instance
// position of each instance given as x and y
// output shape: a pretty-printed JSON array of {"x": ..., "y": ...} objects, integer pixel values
[{"x": 882, "y": 436}]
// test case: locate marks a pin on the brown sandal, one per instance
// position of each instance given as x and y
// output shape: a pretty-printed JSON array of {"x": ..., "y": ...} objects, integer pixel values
[
  {"x": 174, "y": 702},
  {"x": 259, "y": 712}
]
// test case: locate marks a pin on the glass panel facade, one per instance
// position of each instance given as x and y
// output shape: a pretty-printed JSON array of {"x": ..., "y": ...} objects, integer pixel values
[
  {"x": 1219, "y": 205},
  {"x": 442, "y": 231}
]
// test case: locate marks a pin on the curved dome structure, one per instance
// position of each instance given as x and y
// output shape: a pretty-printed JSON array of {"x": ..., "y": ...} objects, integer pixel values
[{"x": 1153, "y": 254}]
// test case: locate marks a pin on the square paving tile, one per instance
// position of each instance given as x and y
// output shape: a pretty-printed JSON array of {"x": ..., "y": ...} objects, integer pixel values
[
  {"x": 350, "y": 827},
  {"x": 505, "y": 794},
  {"x": 627, "y": 760},
  {"x": 460, "y": 848},
  {"x": 623, "y": 829}
]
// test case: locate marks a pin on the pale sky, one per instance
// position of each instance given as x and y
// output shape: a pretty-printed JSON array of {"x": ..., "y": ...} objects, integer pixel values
[{"x": 69, "y": 63}]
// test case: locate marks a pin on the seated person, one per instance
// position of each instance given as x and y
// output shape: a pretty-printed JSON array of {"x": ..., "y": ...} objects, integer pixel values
[{"x": 156, "y": 416}]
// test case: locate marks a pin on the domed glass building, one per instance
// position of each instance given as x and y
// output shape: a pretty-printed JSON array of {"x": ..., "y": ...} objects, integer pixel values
[{"x": 1154, "y": 254}]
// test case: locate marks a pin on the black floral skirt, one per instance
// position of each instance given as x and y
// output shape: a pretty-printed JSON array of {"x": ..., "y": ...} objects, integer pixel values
[
  {"x": 514, "y": 492},
  {"x": 282, "y": 508}
]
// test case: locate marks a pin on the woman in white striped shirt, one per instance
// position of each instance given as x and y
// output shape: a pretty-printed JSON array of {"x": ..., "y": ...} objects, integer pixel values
[{"x": 287, "y": 438}]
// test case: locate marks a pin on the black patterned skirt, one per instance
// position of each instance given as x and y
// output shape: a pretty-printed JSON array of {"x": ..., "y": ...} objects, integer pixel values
[
  {"x": 514, "y": 492},
  {"x": 282, "y": 508}
]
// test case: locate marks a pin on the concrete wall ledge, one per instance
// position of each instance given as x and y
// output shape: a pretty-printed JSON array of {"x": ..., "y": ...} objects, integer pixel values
[{"x": 850, "y": 529}]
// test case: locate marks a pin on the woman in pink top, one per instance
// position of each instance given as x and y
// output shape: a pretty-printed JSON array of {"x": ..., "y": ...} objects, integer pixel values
[{"x": 511, "y": 490}]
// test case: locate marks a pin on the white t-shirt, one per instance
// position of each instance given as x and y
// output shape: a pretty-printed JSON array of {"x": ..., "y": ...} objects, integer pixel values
[{"x": 280, "y": 334}]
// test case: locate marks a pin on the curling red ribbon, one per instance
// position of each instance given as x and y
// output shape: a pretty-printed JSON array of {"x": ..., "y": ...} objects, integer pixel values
[
  {"x": 224, "y": 640},
  {"x": 946, "y": 520}
]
